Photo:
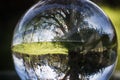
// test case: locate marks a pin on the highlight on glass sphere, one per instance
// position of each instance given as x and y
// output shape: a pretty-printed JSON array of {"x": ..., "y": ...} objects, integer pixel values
[{"x": 64, "y": 40}]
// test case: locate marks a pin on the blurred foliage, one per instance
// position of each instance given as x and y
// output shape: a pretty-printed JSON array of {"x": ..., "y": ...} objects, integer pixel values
[
  {"x": 113, "y": 14},
  {"x": 112, "y": 3}
]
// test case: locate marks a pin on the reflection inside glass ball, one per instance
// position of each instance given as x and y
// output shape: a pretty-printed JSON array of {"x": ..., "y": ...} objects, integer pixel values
[{"x": 58, "y": 40}]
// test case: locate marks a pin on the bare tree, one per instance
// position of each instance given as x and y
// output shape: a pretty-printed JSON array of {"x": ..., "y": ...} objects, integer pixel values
[{"x": 71, "y": 21}]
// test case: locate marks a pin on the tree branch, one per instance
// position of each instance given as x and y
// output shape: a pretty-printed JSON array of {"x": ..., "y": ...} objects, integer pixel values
[{"x": 55, "y": 19}]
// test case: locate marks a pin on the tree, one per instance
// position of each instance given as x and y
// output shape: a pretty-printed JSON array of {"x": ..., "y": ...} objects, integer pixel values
[{"x": 68, "y": 23}]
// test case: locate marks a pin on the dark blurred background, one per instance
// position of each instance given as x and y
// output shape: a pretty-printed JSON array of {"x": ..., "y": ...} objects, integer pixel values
[{"x": 10, "y": 13}]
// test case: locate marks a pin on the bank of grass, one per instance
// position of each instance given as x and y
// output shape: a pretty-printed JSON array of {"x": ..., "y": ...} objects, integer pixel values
[
  {"x": 114, "y": 15},
  {"x": 40, "y": 48}
]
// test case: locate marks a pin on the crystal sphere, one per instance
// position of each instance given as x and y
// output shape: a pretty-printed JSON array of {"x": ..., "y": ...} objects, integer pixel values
[{"x": 64, "y": 40}]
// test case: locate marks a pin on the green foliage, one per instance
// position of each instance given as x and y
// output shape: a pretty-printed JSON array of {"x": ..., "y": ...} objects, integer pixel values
[{"x": 114, "y": 16}]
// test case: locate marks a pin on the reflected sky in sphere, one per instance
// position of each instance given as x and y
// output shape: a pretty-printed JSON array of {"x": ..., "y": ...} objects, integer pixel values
[
  {"x": 20, "y": 68},
  {"x": 85, "y": 15},
  {"x": 80, "y": 26}
]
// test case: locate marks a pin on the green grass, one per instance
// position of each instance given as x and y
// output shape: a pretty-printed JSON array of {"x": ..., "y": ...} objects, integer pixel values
[
  {"x": 40, "y": 48},
  {"x": 114, "y": 15}
]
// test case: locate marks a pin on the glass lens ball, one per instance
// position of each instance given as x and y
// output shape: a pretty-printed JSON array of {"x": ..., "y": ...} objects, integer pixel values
[{"x": 64, "y": 40}]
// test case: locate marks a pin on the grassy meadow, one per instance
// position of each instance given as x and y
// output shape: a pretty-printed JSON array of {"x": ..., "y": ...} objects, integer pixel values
[
  {"x": 40, "y": 48},
  {"x": 114, "y": 15}
]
